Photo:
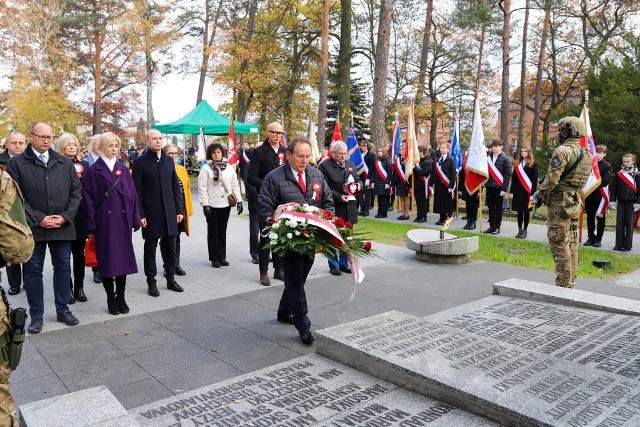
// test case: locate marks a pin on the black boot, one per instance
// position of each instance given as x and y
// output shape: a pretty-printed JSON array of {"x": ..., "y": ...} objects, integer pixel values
[
  {"x": 472, "y": 225},
  {"x": 112, "y": 305},
  {"x": 72, "y": 300},
  {"x": 121, "y": 284},
  {"x": 179, "y": 270},
  {"x": 78, "y": 291},
  {"x": 153, "y": 288}
]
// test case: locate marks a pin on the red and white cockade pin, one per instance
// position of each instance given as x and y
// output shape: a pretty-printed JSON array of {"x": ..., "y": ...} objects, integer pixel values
[
  {"x": 316, "y": 190},
  {"x": 118, "y": 172},
  {"x": 350, "y": 169},
  {"x": 281, "y": 157},
  {"x": 79, "y": 169}
]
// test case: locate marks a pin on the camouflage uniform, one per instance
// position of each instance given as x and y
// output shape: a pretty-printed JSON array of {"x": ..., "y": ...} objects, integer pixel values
[
  {"x": 8, "y": 416},
  {"x": 559, "y": 193}
]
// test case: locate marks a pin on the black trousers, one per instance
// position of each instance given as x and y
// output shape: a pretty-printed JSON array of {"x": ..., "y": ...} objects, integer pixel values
[
  {"x": 177, "y": 250},
  {"x": 473, "y": 203},
  {"x": 266, "y": 252},
  {"x": 591, "y": 208},
  {"x": 422, "y": 204},
  {"x": 383, "y": 204},
  {"x": 254, "y": 234},
  {"x": 294, "y": 300},
  {"x": 494, "y": 203},
  {"x": 77, "y": 252},
  {"x": 168, "y": 253},
  {"x": 624, "y": 224},
  {"x": 14, "y": 275},
  {"x": 217, "y": 233}
]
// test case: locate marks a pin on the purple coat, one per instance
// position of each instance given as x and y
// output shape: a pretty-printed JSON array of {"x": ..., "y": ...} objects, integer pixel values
[{"x": 112, "y": 218}]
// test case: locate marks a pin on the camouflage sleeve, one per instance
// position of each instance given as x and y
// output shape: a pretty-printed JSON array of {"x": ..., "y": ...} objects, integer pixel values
[{"x": 557, "y": 165}]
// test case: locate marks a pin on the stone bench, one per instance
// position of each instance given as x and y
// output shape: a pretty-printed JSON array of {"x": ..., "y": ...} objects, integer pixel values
[{"x": 450, "y": 250}]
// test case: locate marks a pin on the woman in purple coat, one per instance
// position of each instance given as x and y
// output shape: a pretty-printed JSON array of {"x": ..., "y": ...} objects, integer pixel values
[{"x": 112, "y": 214}]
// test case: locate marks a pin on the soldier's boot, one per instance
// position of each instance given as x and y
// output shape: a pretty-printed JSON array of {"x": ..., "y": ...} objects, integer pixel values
[
  {"x": 112, "y": 304},
  {"x": 78, "y": 291},
  {"x": 121, "y": 284}
]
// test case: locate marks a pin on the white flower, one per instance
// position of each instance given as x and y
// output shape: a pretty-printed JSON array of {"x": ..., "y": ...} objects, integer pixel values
[
  {"x": 297, "y": 233},
  {"x": 276, "y": 225},
  {"x": 292, "y": 223},
  {"x": 310, "y": 209},
  {"x": 273, "y": 236},
  {"x": 349, "y": 238},
  {"x": 289, "y": 236}
]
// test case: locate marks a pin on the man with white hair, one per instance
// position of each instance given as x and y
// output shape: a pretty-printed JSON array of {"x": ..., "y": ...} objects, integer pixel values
[{"x": 337, "y": 171}]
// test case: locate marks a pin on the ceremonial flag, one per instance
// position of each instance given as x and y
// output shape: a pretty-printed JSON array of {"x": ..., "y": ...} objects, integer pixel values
[
  {"x": 311, "y": 133},
  {"x": 201, "y": 153},
  {"x": 456, "y": 152},
  {"x": 283, "y": 140},
  {"x": 354, "y": 152},
  {"x": 232, "y": 149},
  {"x": 337, "y": 136},
  {"x": 413, "y": 155},
  {"x": 588, "y": 143},
  {"x": 396, "y": 141},
  {"x": 477, "y": 165}
]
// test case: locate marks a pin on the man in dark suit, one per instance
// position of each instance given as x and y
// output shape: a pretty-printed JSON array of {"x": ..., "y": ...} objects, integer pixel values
[
  {"x": 365, "y": 198},
  {"x": 160, "y": 204},
  {"x": 39, "y": 171},
  {"x": 497, "y": 186},
  {"x": 295, "y": 182},
  {"x": 264, "y": 159},
  {"x": 14, "y": 143},
  {"x": 337, "y": 171}
]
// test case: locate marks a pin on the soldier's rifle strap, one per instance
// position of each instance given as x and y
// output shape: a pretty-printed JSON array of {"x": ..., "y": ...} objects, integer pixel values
[{"x": 575, "y": 164}]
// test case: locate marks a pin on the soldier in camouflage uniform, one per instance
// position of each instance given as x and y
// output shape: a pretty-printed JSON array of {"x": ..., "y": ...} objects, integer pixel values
[
  {"x": 8, "y": 417},
  {"x": 560, "y": 191}
]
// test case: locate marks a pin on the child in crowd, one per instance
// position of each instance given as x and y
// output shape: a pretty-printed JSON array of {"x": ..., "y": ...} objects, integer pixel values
[{"x": 625, "y": 198}]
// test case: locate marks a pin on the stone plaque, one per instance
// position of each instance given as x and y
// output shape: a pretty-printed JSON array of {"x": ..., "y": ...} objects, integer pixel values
[
  {"x": 515, "y": 361},
  {"x": 307, "y": 391}
]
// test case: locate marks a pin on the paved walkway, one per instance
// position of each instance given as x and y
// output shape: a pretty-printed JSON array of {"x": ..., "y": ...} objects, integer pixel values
[{"x": 224, "y": 323}]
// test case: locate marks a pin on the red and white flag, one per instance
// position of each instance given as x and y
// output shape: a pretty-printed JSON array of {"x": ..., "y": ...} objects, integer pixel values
[
  {"x": 412, "y": 156},
  {"x": 232, "y": 156},
  {"x": 588, "y": 142},
  {"x": 604, "y": 202},
  {"x": 477, "y": 167},
  {"x": 337, "y": 136}
]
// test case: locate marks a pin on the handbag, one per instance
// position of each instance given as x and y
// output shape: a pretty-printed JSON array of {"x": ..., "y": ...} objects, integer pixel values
[
  {"x": 90, "y": 259},
  {"x": 231, "y": 198}
]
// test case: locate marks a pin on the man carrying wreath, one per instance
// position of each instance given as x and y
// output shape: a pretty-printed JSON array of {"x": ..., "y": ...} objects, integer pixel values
[{"x": 295, "y": 182}]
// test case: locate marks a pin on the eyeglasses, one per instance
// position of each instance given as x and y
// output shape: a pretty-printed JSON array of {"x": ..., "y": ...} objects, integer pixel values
[
  {"x": 43, "y": 137},
  {"x": 276, "y": 133},
  {"x": 173, "y": 154}
]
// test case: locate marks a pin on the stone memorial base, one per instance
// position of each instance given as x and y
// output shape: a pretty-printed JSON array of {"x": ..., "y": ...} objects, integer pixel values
[{"x": 450, "y": 250}]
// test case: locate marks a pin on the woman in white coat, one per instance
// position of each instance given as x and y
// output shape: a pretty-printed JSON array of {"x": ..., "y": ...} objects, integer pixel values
[{"x": 216, "y": 182}]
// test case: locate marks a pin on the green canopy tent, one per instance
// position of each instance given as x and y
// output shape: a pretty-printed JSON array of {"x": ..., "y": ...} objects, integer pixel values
[{"x": 213, "y": 122}]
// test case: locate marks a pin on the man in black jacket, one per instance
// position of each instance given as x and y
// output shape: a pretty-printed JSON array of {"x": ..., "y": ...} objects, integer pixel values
[
  {"x": 500, "y": 169},
  {"x": 295, "y": 182},
  {"x": 160, "y": 204},
  {"x": 264, "y": 159},
  {"x": 592, "y": 203},
  {"x": 14, "y": 143},
  {"x": 337, "y": 171},
  {"x": 365, "y": 198},
  {"x": 41, "y": 171}
]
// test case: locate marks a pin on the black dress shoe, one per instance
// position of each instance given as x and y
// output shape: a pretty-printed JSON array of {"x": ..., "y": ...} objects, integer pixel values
[
  {"x": 72, "y": 300},
  {"x": 174, "y": 286},
  {"x": 67, "y": 318},
  {"x": 345, "y": 269},
  {"x": 96, "y": 277},
  {"x": 216, "y": 264},
  {"x": 285, "y": 318},
  {"x": 617, "y": 248},
  {"x": 224, "y": 263},
  {"x": 180, "y": 271},
  {"x": 625, "y": 249},
  {"x": 421, "y": 220},
  {"x": 78, "y": 293},
  {"x": 403, "y": 218},
  {"x": 589, "y": 242},
  {"x": 307, "y": 337},
  {"x": 496, "y": 230},
  {"x": 335, "y": 271},
  {"x": 488, "y": 231},
  {"x": 35, "y": 327},
  {"x": 439, "y": 222},
  {"x": 153, "y": 289},
  {"x": 381, "y": 216},
  {"x": 255, "y": 260},
  {"x": 597, "y": 244},
  {"x": 13, "y": 291}
]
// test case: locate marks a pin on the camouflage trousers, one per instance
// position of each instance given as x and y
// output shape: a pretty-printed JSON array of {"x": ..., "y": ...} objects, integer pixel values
[
  {"x": 563, "y": 242},
  {"x": 8, "y": 415}
]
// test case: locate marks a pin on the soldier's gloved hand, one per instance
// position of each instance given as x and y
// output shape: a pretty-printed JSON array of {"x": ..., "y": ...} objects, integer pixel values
[
  {"x": 207, "y": 211},
  {"x": 239, "y": 207},
  {"x": 613, "y": 206},
  {"x": 502, "y": 193}
]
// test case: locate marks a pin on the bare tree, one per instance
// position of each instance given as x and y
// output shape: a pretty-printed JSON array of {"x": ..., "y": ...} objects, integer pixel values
[
  {"x": 523, "y": 75},
  {"x": 505, "y": 5},
  {"x": 425, "y": 51},
  {"x": 344, "y": 68},
  {"x": 324, "y": 72},
  {"x": 537, "y": 104},
  {"x": 378, "y": 113}
]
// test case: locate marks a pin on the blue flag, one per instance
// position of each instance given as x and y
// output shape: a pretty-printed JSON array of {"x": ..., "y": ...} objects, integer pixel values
[
  {"x": 397, "y": 140},
  {"x": 456, "y": 152},
  {"x": 354, "y": 152}
]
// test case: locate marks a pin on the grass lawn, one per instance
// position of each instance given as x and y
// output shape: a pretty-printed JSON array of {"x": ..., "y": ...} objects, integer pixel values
[{"x": 512, "y": 251}]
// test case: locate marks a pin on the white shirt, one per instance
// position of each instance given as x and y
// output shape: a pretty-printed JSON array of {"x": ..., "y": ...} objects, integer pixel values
[
  {"x": 110, "y": 163},
  {"x": 295, "y": 175},
  {"x": 38, "y": 154}
]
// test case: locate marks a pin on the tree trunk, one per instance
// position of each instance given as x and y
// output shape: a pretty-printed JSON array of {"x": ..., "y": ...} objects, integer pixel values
[
  {"x": 149, "y": 66},
  {"x": 97, "y": 45},
  {"x": 523, "y": 76},
  {"x": 243, "y": 99},
  {"x": 344, "y": 69},
  {"x": 207, "y": 42},
  {"x": 538, "y": 90},
  {"x": 324, "y": 74},
  {"x": 379, "y": 108},
  {"x": 504, "y": 107},
  {"x": 426, "y": 38}
]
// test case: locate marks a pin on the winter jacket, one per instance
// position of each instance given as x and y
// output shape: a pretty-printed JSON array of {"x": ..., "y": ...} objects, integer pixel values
[{"x": 211, "y": 192}]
